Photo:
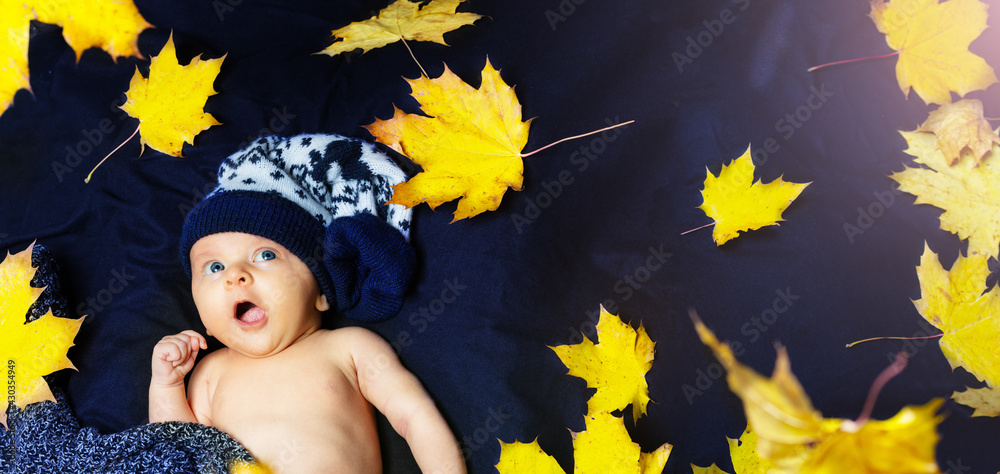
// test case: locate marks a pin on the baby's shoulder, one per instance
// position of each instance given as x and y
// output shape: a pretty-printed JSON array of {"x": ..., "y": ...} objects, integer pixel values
[
  {"x": 206, "y": 373},
  {"x": 212, "y": 362},
  {"x": 349, "y": 332},
  {"x": 350, "y": 340}
]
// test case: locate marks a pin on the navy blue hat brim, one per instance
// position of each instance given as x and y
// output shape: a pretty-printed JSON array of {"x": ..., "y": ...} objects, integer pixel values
[{"x": 262, "y": 214}]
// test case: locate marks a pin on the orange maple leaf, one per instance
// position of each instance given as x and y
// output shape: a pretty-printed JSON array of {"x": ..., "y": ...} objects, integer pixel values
[{"x": 469, "y": 147}]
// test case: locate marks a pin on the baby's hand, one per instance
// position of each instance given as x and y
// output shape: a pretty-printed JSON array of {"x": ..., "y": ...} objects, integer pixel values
[{"x": 173, "y": 357}]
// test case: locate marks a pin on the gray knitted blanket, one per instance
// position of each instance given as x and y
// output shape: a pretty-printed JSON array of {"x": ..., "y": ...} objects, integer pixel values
[{"x": 46, "y": 438}]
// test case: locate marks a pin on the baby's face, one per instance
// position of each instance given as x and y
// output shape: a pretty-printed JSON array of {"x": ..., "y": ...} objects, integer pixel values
[{"x": 252, "y": 294}]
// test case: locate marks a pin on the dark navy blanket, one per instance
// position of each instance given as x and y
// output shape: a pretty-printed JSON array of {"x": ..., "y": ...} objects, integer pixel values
[{"x": 598, "y": 221}]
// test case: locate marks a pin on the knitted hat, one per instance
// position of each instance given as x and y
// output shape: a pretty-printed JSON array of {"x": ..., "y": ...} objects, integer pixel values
[{"x": 323, "y": 197}]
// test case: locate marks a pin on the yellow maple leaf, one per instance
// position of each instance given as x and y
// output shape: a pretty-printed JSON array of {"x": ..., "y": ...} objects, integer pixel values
[
  {"x": 469, "y": 147},
  {"x": 713, "y": 469},
  {"x": 29, "y": 350},
  {"x": 961, "y": 127},
  {"x": 797, "y": 439},
  {"x": 776, "y": 406},
  {"x": 401, "y": 20},
  {"x": 743, "y": 452},
  {"x": 170, "y": 103},
  {"x": 518, "y": 457},
  {"x": 953, "y": 301},
  {"x": 967, "y": 191},
  {"x": 604, "y": 447},
  {"x": 737, "y": 203},
  {"x": 985, "y": 401},
  {"x": 112, "y": 25},
  {"x": 933, "y": 43},
  {"x": 15, "y": 27},
  {"x": 616, "y": 366},
  {"x": 244, "y": 467},
  {"x": 904, "y": 443}
]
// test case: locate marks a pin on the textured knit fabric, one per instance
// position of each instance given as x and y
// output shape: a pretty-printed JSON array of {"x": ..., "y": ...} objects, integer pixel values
[
  {"x": 329, "y": 176},
  {"x": 45, "y": 437},
  {"x": 324, "y": 198},
  {"x": 364, "y": 259}
]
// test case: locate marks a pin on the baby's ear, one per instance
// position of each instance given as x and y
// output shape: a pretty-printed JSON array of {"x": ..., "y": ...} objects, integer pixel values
[{"x": 322, "y": 303}]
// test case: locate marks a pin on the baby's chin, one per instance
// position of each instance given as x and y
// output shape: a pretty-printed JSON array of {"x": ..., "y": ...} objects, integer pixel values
[
  {"x": 265, "y": 343},
  {"x": 257, "y": 349}
]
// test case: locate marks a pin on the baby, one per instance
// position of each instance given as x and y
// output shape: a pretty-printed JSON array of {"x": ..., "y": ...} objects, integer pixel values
[{"x": 298, "y": 226}]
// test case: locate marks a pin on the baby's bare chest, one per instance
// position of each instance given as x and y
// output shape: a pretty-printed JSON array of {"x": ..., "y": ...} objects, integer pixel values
[
  {"x": 268, "y": 391},
  {"x": 295, "y": 419}
]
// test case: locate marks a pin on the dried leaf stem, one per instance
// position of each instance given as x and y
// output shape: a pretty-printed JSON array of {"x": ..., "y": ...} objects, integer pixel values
[
  {"x": 893, "y": 337},
  {"x": 525, "y": 155},
  {"x": 894, "y": 53},
  {"x": 698, "y": 228},
  {"x": 112, "y": 153},
  {"x": 422, "y": 71},
  {"x": 887, "y": 374}
]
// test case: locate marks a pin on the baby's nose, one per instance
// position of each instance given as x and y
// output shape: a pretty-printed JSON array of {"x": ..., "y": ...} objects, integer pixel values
[{"x": 238, "y": 277}]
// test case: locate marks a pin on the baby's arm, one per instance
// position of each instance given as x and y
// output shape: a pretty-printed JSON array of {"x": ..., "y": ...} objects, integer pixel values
[
  {"x": 398, "y": 394},
  {"x": 173, "y": 358}
]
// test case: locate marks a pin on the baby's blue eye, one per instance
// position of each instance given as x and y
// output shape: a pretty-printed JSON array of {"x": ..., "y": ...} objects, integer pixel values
[
  {"x": 214, "y": 267},
  {"x": 265, "y": 254}
]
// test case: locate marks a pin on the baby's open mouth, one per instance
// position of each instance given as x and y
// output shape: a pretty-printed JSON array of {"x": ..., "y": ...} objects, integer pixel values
[{"x": 249, "y": 313}]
